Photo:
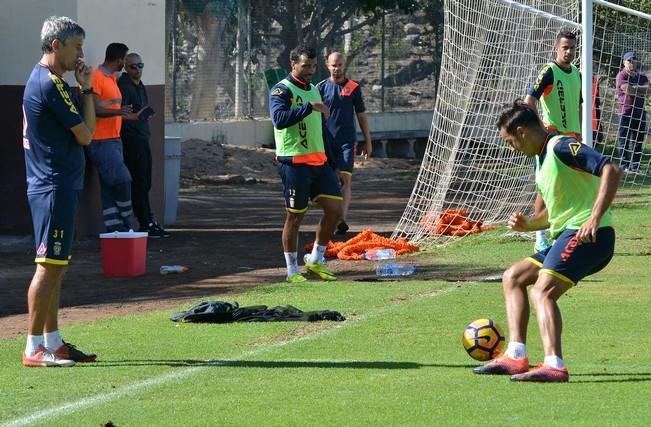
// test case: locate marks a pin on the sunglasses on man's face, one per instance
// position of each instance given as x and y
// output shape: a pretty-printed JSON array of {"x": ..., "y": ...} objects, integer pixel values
[{"x": 136, "y": 66}]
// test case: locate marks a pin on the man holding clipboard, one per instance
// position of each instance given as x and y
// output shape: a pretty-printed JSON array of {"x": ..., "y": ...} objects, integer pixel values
[{"x": 135, "y": 136}]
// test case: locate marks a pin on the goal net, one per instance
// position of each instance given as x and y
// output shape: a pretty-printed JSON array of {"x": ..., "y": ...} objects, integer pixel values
[{"x": 493, "y": 49}]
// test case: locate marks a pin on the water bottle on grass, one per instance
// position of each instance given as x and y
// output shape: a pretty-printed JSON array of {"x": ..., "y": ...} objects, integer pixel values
[
  {"x": 395, "y": 270},
  {"x": 172, "y": 269},
  {"x": 377, "y": 254}
]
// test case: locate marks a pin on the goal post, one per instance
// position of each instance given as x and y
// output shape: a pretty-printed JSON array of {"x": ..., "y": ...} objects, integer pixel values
[{"x": 492, "y": 52}]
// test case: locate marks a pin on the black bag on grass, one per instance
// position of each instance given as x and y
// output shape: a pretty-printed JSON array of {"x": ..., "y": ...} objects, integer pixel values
[
  {"x": 225, "y": 312},
  {"x": 208, "y": 312},
  {"x": 287, "y": 313}
]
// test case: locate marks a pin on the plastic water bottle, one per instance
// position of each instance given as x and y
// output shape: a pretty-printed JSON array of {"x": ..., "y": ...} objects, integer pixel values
[
  {"x": 171, "y": 269},
  {"x": 378, "y": 254},
  {"x": 393, "y": 270}
]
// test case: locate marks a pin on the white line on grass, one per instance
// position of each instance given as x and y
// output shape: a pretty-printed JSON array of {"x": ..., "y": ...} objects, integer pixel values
[{"x": 68, "y": 408}]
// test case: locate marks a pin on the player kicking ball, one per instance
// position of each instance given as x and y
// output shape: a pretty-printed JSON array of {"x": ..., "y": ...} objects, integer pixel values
[{"x": 577, "y": 185}]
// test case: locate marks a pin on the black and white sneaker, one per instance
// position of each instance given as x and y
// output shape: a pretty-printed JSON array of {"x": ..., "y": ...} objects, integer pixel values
[
  {"x": 342, "y": 227},
  {"x": 155, "y": 231}
]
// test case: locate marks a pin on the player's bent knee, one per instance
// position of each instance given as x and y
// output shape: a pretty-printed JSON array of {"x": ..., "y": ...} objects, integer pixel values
[
  {"x": 334, "y": 214},
  {"x": 294, "y": 219},
  {"x": 548, "y": 288},
  {"x": 513, "y": 278}
]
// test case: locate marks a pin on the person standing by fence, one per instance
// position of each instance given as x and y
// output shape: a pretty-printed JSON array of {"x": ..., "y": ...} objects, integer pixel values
[{"x": 632, "y": 88}]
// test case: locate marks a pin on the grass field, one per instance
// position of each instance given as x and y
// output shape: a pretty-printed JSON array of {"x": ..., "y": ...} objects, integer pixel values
[{"x": 396, "y": 360}]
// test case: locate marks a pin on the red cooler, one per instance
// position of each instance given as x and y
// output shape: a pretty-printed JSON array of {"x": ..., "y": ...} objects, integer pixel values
[{"x": 124, "y": 254}]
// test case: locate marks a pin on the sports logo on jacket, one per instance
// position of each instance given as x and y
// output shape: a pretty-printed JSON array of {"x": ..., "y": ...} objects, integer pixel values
[
  {"x": 63, "y": 92},
  {"x": 575, "y": 147}
]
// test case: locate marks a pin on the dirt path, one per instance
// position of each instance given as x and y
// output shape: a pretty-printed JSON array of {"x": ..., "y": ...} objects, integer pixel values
[{"x": 229, "y": 236}]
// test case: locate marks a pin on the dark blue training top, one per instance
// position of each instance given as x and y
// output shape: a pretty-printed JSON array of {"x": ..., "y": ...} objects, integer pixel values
[
  {"x": 577, "y": 156},
  {"x": 53, "y": 159},
  {"x": 344, "y": 100},
  {"x": 280, "y": 101}
]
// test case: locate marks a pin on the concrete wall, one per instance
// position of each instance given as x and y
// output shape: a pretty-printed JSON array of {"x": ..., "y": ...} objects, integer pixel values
[
  {"x": 416, "y": 121},
  {"x": 138, "y": 23},
  {"x": 260, "y": 132},
  {"x": 253, "y": 132}
]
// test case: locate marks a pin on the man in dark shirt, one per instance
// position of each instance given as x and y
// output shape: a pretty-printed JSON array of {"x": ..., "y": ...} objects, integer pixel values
[
  {"x": 344, "y": 98},
  {"x": 135, "y": 136},
  {"x": 632, "y": 88},
  {"x": 55, "y": 128}
]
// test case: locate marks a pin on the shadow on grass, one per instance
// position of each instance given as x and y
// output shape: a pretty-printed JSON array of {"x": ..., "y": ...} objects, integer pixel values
[
  {"x": 273, "y": 364},
  {"x": 607, "y": 377},
  {"x": 613, "y": 380},
  {"x": 586, "y": 378}
]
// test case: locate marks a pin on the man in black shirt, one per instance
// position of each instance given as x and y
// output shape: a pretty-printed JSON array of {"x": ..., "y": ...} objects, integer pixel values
[{"x": 135, "y": 136}]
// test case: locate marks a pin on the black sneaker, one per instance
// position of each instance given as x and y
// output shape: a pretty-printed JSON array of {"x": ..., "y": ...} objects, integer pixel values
[
  {"x": 70, "y": 352},
  {"x": 156, "y": 231},
  {"x": 342, "y": 227}
]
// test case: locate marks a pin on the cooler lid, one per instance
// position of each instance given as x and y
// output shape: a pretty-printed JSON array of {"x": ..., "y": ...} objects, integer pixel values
[{"x": 124, "y": 235}]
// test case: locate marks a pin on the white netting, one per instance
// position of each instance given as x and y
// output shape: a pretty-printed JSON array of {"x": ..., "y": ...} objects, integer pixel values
[{"x": 493, "y": 50}]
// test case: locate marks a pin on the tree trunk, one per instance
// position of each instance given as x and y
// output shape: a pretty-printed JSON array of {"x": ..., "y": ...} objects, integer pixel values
[
  {"x": 211, "y": 59},
  {"x": 170, "y": 17},
  {"x": 239, "y": 59},
  {"x": 291, "y": 35}
]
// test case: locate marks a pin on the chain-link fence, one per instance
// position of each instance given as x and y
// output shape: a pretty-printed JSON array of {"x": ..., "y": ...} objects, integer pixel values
[{"x": 223, "y": 55}]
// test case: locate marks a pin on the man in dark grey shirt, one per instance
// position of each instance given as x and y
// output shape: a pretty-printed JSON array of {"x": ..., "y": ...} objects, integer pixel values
[{"x": 135, "y": 135}]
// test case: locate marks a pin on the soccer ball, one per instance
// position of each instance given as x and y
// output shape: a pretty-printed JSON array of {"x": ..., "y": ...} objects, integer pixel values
[{"x": 483, "y": 339}]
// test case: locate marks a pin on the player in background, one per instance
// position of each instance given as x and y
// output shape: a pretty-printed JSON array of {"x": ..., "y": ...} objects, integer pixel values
[
  {"x": 558, "y": 88},
  {"x": 344, "y": 98},
  {"x": 577, "y": 185},
  {"x": 56, "y": 127},
  {"x": 296, "y": 112},
  {"x": 632, "y": 90}
]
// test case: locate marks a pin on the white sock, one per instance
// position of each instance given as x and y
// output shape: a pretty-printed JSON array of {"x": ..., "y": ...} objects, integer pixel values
[
  {"x": 33, "y": 343},
  {"x": 516, "y": 350},
  {"x": 541, "y": 236},
  {"x": 52, "y": 340},
  {"x": 554, "y": 362},
  {"x": 318, "y": 253},
  {"x": 291, "y": 259}
]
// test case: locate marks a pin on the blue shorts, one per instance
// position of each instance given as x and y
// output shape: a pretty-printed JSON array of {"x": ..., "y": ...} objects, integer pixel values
[
  {"x": 571, "y": 262},
  {"x": 345, "y": 157},
  {"x": 304, "y": 182},
  {"x": 108, "y": 158},
  {"x": 53, "y": 215}
]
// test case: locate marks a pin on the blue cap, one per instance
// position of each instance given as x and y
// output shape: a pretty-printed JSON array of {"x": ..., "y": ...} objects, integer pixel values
[{"x": 628, "y": 56}]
